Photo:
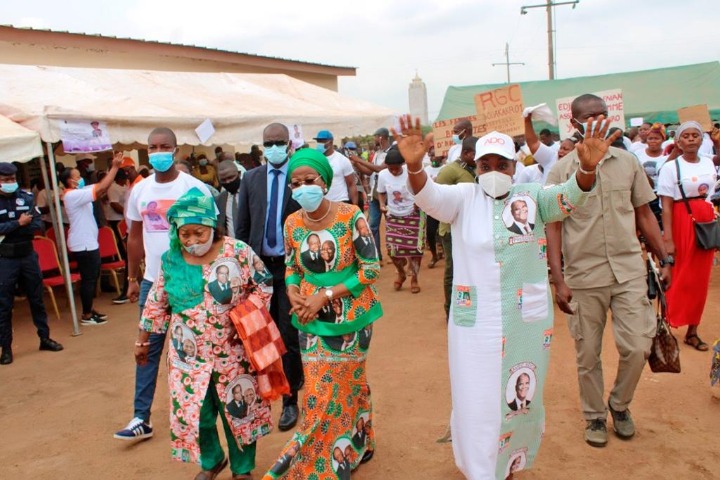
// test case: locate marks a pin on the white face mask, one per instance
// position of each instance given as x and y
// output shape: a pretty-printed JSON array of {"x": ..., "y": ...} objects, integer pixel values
[
  {"x": 199, "y": 249},
  {"x": 495, "y": 184}
]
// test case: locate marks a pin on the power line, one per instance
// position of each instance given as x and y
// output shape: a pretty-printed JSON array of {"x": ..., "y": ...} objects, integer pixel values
[
  {"x": 551, "y": 41},
  {"x": 507, "y": 61}
]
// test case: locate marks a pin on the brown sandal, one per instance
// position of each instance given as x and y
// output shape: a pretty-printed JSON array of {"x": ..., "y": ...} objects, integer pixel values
[
  {"x": 698, "y": 344},
  {"x": 399, "y": 282},
  {"x": 414, "y": 287},
  {"x": 212, "y": 474}
]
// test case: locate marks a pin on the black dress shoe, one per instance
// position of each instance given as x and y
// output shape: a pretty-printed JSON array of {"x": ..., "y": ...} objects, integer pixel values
[
  {"x": 50, "y": 344},
  {"x": 6, "y": 358},
  {"x": 289, "y": 417}
]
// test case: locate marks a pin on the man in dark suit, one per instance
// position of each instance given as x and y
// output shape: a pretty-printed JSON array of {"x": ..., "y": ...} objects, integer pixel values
[
  {"x": 227, "y": 201},
  {"x": 260, "y": 226},
  {"x": 364, "y": 245},
  {"x": 520, "y": 225},
  {"x": 237, "y": 407},
  {"x": 522, "y": 387},
  {"x": 220, "y": 288},
  {"x": 360, "y": 436},
  {"x": 343, "y": 469},
  {"x": 311, "y": 257}
]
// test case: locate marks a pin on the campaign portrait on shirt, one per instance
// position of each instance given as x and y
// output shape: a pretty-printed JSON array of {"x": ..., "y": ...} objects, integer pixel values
[
  {"x": 155, "y": 216},
  {"x": 241, "y": 398},
  {"x": 363, "y": 240},
  {"x": 223, "y": 281},
  {"x": 318, "y": 252},
  {"x": 519, "y": 215},
  {"x": 184, "y": 343},
  {"x": 340, "y": 463},
  {"x": 520, "y": 389}
]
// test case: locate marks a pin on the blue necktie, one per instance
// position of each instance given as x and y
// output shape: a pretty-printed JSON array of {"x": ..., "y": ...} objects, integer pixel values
[{"x": 272, "y": 214}]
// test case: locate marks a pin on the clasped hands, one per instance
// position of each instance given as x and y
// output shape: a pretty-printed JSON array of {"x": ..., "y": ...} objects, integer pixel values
[{"x": 305, "y": 307}]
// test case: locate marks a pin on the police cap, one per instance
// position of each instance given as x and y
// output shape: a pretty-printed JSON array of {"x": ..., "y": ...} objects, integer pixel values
[{"x": 7, "y": 168}]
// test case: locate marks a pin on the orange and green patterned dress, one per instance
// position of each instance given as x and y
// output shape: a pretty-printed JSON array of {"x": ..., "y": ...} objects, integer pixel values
[{"x": 336, "y": 429}]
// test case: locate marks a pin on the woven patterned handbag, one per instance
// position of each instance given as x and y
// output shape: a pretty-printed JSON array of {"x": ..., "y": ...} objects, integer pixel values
[{"x": 665, "y": 352}]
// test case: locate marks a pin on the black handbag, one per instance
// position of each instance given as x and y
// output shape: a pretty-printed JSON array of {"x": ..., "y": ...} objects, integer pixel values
[{"x": 707, "y": 234}]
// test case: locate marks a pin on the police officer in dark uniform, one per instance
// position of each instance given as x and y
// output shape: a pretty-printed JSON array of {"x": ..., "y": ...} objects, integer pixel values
[{"x": 19, "y": 219}]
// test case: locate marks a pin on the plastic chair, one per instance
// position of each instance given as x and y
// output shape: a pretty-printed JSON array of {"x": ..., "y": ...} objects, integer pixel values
[
  {"x": 123, "y": 229},
  {"x": 50, "y": 233},
  {"x": 110, "y": 259},
  {"x": 50, "y": 268}
]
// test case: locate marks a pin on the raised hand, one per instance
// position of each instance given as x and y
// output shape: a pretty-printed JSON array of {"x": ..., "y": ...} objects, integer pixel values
[
  {"x": 594, "y": 146},
  {"x": 410, "y": 142}
]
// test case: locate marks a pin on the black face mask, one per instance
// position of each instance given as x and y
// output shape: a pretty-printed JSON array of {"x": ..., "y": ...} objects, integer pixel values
[{"x": 233, "y": 186}]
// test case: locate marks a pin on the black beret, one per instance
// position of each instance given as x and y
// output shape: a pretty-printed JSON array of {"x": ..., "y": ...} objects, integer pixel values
[{"x": 7, "y": 169}]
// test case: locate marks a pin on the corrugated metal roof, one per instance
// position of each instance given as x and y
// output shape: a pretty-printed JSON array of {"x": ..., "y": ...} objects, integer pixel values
[{"x": 178, "y": 45}]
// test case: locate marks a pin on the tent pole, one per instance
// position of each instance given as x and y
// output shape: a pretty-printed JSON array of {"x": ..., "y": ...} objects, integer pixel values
[
  {"x": 61, "y": 236},
  {"x": 50, "y": 204}
]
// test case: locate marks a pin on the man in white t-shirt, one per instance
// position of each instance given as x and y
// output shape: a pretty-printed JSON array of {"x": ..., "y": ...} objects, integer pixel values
[
  {"x": 82, "y": 238},
  {"x": 546, "y": 138},
  {"x": 461, "y": 130},
  {"x": 343, "y": 188},
  {"x": 149, "y": 237},
  {"x": 642, "y": 135}
]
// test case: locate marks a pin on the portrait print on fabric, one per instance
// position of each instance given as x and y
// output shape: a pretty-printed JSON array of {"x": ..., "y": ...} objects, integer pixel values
[
  {"x": 241, "y": 399},
  {"x": 342, "y": 342},
  {"x": 318, "y": 252},
  {"x": 361, "y": 430},
  {"x": 284, "y": 462},
  {"x": 517, "y": 461},
  {"x": 520, "y": 388},
  {"x": 342, "y": 460},
  {"x": 363, "y": 240},
  {"x": 260, "y": 273},
  {"x": 364, "y": 337},
  {"x": 307, "y": 340},
  {"x": 184, "y": 343},
  {"x": 224, "y": 280},
  {"x": 333, "y": 312},
  {"x": 519, "y": 214},
  {"x": 154, "y": 215}
]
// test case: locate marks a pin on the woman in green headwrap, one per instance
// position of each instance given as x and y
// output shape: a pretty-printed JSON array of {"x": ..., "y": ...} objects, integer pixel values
[
  {"x": 203, "y": 276},
  {"x": 332, "y": 264}
]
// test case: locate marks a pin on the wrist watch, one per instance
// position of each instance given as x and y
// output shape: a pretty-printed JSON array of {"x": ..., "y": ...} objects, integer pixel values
[
  {"x": 329, "y": 294},
  {"x": 669, "y": 260}
]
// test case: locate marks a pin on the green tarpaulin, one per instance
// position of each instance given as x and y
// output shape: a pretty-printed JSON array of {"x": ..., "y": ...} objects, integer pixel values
[{"x": 655, "y": 95}]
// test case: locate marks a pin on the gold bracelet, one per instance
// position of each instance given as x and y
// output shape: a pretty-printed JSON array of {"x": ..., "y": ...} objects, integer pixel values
[
  {"x": 416, "y": 172},
  {"x": 142, "y": 344},
  {"x": 132, "y": 279},
  {"x": 587, "y": 172}
]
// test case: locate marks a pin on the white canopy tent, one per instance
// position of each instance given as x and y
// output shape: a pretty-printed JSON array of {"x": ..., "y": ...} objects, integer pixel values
[
  {"x": 133, "y": 102},
  {"x": 18, "y": 144}
]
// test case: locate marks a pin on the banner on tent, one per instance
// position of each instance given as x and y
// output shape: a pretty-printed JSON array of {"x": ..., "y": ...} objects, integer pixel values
[
  {"x": 84, "y": 136},
  {"x": 698, "y": 113},
  {"x": 501, "y": 110},
  {"x": 443, "y": 132},
  {"x": 613, "y": 100}
]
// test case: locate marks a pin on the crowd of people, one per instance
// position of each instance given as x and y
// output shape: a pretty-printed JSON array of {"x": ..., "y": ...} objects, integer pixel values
[{"x": 296, "y": 232}]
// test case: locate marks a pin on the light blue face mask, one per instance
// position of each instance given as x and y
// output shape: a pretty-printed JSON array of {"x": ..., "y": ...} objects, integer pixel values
[
  {"x": 81, "y": 183},
  {"x": 456, "y": 139},
  {"x": 9, "y": 187},
  {"x": 276, "y": 154},
  {"x": 308, "y": 196},
  {"x": 320, "y": 147},
  {"x": 161, "y": 161},
  {"x": 203, "y": 162}
]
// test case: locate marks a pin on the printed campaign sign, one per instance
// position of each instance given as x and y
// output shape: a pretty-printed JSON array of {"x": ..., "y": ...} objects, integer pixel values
[
  {"x": 84, "y": 136},
  {"x": 501, "y": 110},
  {"x": 616, "y": 111},
  {"x": 699, "y": 113}
]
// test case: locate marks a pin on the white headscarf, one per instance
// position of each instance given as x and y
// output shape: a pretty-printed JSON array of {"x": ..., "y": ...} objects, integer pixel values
[{"x": 686, "y": 126}]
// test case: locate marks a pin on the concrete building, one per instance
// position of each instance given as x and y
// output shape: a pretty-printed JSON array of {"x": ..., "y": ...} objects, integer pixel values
[
  {"x": 417, "y": 93},
  {"x": 27, "y": 46}
]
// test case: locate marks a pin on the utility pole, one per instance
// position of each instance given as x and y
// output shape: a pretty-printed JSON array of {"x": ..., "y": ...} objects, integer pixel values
[
  {"x": 548, "y": 6},
  {"x": 507, "y": 62}
]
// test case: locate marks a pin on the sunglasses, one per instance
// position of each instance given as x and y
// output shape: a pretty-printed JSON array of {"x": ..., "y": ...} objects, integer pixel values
[
  {"x": 275, "y": 143},
  {"x": 299, "y": 183}
]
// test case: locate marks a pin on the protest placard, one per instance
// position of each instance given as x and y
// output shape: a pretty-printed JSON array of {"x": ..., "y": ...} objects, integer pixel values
[
  {"x": 501, "y": 110},
  {"x": 616, "y": 111},
  {"x": 636, "y": 121},
  {"x": 443, "y": 132},
  {"x": 699, "y": 113}
]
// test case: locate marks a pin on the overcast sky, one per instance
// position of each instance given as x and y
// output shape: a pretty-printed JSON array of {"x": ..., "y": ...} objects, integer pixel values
[{"x": 448, "y": 42}]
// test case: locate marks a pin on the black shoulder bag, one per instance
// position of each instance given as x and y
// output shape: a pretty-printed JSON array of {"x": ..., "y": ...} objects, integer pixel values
[{"x": 707, "y": 234}]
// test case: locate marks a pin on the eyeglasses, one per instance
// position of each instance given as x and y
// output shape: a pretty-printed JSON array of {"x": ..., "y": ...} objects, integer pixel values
[
  {"x": 308, "y": 181},
  {"x": 275, "y": 143}
]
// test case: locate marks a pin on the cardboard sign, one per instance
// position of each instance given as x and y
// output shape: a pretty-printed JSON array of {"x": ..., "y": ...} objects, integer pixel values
[
  {"x": 636, "y": 122},
  {"x": 205, "y": 130},
  {"x": 613, "y": 100},
  {"x": 443, "y": 132},
  {"x": 501, "y": 110},
  {"x": 84, "y": 136},
  {"x": 699, "y": 113}
]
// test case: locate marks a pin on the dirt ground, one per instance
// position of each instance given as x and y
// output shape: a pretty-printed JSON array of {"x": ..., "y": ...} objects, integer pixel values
[{"x": 58, "y": 411}]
